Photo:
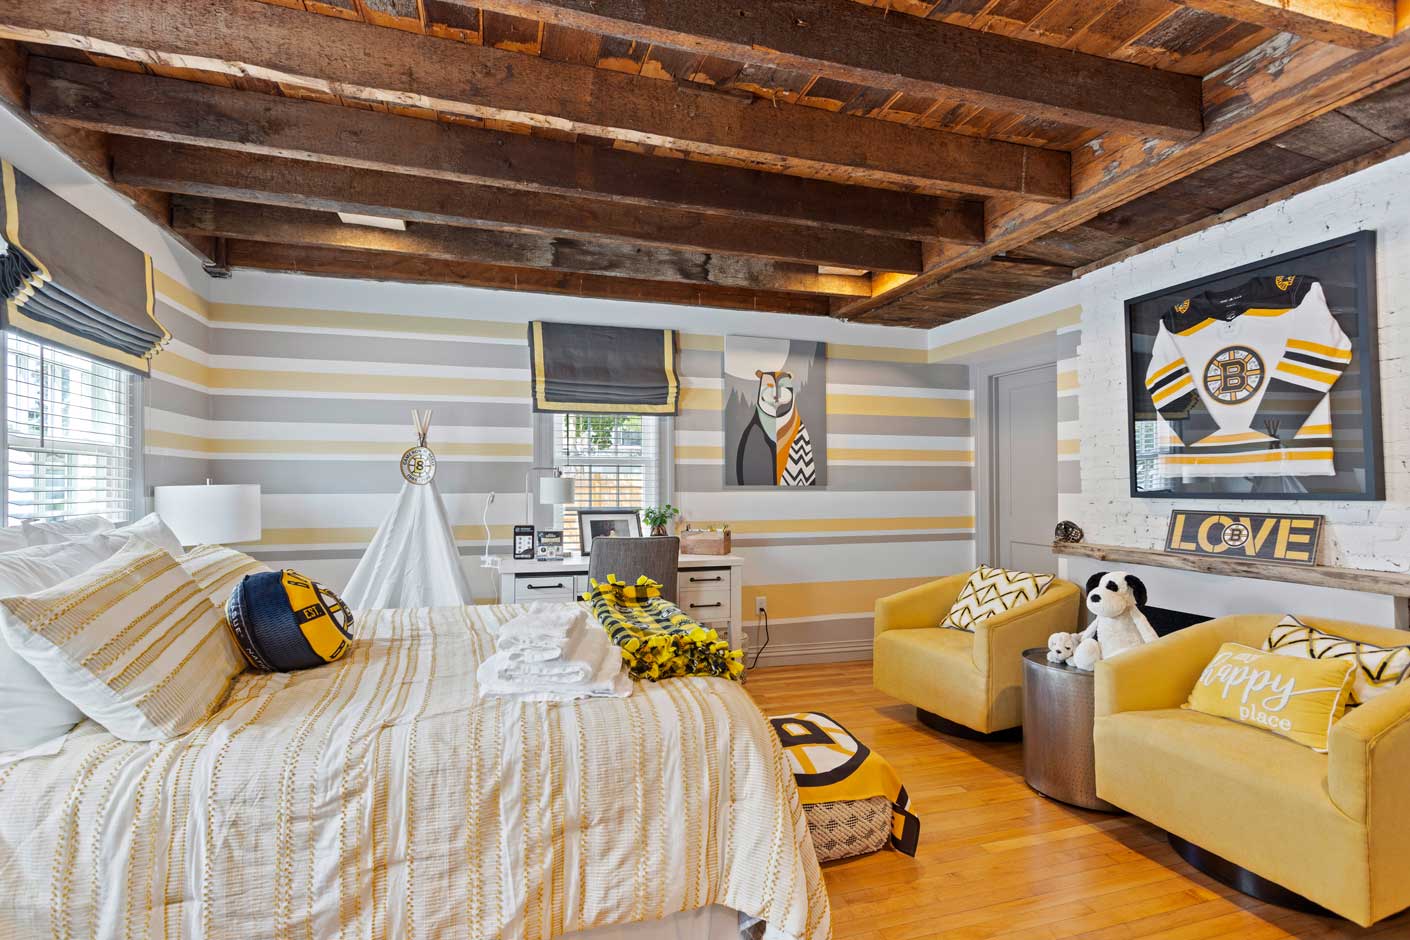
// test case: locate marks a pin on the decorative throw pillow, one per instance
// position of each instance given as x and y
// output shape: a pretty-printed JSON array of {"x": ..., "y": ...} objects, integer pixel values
[
  {"x": 991, "y": 591},
  {"x": 152, "y": 529},
  {"x": 133, "y": 642},
  {"x": 1299, "y": 699},
  {"x": 31, "y": 710},
  {"x": 218, "y": 570},
  {"x": 1378, "y": 668}
]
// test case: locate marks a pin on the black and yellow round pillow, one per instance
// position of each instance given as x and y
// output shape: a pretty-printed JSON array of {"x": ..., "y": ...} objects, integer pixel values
[{"x": 284, "y": 621}]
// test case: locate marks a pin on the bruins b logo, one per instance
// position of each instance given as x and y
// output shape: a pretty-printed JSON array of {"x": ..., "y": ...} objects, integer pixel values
[
  {"x": 1234, "y": 375},
  {"x": 1284, "y": 281}
]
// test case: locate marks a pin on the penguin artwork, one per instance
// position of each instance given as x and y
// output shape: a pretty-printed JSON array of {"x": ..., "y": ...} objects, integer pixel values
[{"x": 775, "y": 449}]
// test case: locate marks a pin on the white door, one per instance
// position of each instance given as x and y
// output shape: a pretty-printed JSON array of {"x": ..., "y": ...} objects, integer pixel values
[{"x": 1025, "y": 468}]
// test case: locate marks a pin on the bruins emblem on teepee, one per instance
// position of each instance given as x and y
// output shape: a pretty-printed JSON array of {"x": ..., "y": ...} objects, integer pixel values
[{"x": 418, "y": 464}]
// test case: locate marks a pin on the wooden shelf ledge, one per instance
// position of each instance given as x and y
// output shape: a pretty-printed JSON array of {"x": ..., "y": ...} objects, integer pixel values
[{"x": 1394, "y": 583}]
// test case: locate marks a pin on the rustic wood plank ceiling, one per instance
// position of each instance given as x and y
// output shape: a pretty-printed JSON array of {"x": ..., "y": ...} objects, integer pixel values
[{"x": 958, "y": 154}]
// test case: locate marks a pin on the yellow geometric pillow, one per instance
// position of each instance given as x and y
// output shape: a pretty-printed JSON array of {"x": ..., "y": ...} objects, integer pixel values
[
  {"x": 991, "y": 591},
  {"x": 1379, "y": 668},
  {"x": 1299, "y": 699}
]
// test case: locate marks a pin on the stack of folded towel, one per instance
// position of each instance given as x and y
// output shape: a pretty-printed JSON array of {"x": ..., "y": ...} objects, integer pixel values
[{"x": 553, "y": 653}]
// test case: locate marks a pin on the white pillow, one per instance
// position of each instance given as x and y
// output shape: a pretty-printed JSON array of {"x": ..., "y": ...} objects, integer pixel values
[
  {"x": 50, "y": 532},
  {"x": 31, "y": 710},
  {"x": 12, "y": 538},
  {"x": 149, "y": 528},
  {"x": 133, "y": 642}
]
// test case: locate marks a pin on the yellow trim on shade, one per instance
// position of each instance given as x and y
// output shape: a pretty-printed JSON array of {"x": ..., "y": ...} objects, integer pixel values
[
  {"x": 1268, "y": 456},
  {"x": 540, "y": 391},
  {"x": 1315, "y": 430},
  {"x": 1329, "y": 352},
  {"x": 1308, "y": 372},
  {"x": 1173, "y": 390},
  {"x": 58, "y": 337},
  {"x": 1164, "y": 371}
]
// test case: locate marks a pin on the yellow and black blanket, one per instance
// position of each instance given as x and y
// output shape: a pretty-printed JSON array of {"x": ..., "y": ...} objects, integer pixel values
[
  {"x": 658, "y": 640},
  {"x": 831, "y": 766}
]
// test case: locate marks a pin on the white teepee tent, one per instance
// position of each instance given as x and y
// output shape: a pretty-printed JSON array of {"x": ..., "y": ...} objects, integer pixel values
[{"x": 413, "y": 560}]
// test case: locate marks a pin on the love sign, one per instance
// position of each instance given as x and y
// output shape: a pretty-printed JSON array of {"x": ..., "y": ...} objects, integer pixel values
[{"x": 1288, "y": 539}]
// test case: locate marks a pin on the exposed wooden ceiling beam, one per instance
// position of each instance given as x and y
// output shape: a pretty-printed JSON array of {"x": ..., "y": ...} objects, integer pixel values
[
  {"x": 1356, "y": 24},
  {"x": 191, "y": 113},
  {"x": 377, "y": 266},
  {"x": 198, "y": 215},
  {"x": 1278, "y": 86},
  {"x": 226, "y": 174},
  {"x": 248, "y": 39},
  {"x": 876, "y": 47}
]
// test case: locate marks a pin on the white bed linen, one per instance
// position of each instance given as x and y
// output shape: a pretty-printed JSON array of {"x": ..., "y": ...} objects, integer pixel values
[{"x": 377, "y": 796}]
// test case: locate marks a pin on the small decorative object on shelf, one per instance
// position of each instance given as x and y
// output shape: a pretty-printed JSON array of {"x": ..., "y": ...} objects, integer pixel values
[
  {"x": 1068, "y": 531},
  {"x": 1115, "y": 598},
  {"x": 714, "y": 540},
  {"x": 658, "y": 517}
]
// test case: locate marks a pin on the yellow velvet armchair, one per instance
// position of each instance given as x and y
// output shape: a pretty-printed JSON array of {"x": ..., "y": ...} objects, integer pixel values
[
  {"x": 971, "y": 679},
  {"x": 1330, "y": 827}
]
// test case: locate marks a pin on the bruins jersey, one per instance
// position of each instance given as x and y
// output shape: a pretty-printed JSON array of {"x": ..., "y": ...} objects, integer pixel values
[{"x": 1241, "y": 378}]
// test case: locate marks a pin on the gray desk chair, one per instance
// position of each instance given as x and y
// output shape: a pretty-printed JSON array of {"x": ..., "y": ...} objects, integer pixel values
[{"x": 657, "y": 557}]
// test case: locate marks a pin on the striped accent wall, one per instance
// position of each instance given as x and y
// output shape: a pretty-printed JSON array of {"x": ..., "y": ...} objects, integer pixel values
[
  {"x": 314, "y": 405},
  {"x": 898, "y": 509},
  {"x": 1069, "y": 387}
]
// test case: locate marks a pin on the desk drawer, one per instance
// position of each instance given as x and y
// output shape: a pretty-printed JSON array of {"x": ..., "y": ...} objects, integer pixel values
[
  {"x": 703, "y": 579},
  {"x": 548, "y": 587},
  {"x": 714, "y": 604}
]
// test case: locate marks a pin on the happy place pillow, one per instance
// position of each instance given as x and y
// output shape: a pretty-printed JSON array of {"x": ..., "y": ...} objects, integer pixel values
[
  {"x": 991, "y": 591},
  {"x": 1299, "y": 699}
]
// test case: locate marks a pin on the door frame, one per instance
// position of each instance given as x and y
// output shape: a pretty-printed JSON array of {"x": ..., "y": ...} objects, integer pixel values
[{"x": 985, "y": 380}]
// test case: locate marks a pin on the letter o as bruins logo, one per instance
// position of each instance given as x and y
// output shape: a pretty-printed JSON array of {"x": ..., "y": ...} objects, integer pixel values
[{"x": 1233, "y": 375}]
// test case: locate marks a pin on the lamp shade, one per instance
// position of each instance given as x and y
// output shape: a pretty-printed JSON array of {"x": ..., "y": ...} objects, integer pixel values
[
  {"x": 211, "y": 514},
  {"x": 556, "y": 490}
]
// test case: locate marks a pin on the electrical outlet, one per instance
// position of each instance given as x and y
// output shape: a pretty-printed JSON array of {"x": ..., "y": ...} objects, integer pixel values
[{"x": 761, "y": 604}]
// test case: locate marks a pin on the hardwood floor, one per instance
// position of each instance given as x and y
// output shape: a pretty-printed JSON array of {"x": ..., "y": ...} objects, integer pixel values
[{"x": 999, "y": 862}]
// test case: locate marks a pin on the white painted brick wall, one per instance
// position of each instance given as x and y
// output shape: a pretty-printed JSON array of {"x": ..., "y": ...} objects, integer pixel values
[{"x": 1358, "y": 535}]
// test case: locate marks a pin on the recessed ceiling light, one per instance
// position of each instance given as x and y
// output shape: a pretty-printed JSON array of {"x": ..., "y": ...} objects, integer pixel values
[{"x": 376, "y": 221}]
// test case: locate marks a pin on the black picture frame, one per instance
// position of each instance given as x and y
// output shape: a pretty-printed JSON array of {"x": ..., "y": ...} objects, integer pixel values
[{"x": 1360, "y": 313}]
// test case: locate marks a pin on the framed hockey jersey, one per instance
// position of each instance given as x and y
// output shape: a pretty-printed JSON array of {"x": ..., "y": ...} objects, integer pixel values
[{"x": 1260, "y": 382}]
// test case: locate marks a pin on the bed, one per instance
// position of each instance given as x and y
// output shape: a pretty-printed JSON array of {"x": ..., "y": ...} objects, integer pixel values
[{"x": 376, "y": 797}]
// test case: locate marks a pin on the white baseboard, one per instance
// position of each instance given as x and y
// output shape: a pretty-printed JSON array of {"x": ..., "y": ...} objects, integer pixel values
[{"x": 836, "y": 651}]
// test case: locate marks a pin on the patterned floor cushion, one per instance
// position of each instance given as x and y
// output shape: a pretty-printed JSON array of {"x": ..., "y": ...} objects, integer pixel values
[{"x": 853, "y": 798}]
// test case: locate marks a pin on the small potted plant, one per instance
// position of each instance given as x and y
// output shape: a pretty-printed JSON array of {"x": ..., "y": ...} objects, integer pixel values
[{"x": 658, "y": 517}]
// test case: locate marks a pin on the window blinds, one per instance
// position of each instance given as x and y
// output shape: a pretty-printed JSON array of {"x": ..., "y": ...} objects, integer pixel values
[
  {"x": 614, "y": 460},
  {"x": 69, "y": 434},
  {"x": 68, "y": 281},
  {"x": 590, "y": 369}
]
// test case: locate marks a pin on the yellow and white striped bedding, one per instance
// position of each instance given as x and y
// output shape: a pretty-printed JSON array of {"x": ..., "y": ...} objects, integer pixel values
[{"x": 378, "y": 797}]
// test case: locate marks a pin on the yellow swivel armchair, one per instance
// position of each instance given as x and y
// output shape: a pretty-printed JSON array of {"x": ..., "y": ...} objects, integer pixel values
[
  {"x": 971, "y": 679},
  {"x": 1330, "y": 827}
]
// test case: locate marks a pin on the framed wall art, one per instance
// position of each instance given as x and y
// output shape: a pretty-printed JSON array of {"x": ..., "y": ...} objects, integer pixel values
[
  {"x": 1260, "y": 382},
  {"x": 775, "y": 417}
]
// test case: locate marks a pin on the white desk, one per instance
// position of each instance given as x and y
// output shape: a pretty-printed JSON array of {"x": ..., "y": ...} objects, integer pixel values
[{"x": 709, "y": 587}]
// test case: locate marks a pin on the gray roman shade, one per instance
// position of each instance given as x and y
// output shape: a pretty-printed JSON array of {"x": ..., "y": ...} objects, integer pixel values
[
  {"x": 603, "y": 369},
  {"x": 67, "y": 280}
]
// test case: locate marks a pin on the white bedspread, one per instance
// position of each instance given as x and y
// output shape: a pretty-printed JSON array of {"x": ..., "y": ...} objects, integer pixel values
[{"x": 377, "y": 797}]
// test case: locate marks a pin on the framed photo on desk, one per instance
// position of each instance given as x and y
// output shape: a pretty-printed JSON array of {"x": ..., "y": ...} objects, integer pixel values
[{"x": 605, "y": 524}]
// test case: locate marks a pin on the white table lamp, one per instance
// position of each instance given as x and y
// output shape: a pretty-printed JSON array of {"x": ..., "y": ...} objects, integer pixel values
[{"x": 211, "y": 514}]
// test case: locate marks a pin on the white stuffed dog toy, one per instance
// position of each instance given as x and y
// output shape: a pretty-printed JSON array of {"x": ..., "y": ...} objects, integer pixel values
[{"x": 1115, "y": 597}]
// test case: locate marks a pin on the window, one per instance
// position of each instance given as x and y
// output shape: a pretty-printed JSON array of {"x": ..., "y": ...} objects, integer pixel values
[
  {"x": 70, "y": 425},
  {"x": 614, "y": 460}
]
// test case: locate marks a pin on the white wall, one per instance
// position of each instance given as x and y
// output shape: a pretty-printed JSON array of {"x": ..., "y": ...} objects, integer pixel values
[{"x": 1370, "y": 535}]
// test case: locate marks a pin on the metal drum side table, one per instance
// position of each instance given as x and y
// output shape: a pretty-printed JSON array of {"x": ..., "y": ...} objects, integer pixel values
[{"x": 1058, "y": 709}]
